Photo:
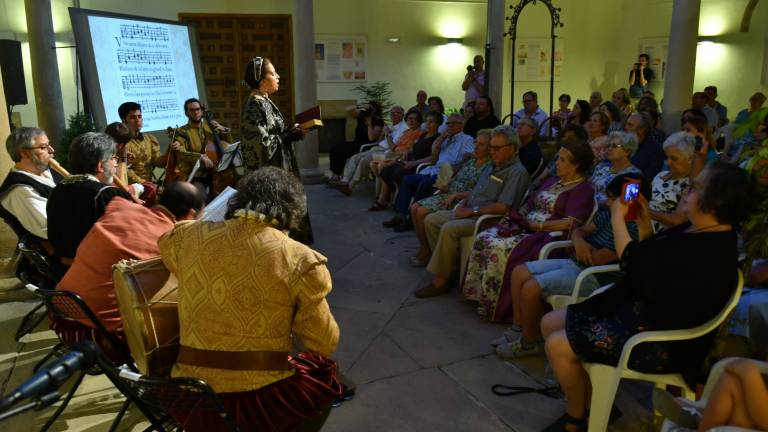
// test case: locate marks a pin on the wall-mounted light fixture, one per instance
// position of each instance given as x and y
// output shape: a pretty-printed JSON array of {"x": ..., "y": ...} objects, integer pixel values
[
  {"x": 706, "y": 40},
  {"x": 454, "y": 41},
  {"x": 393, "y": 39}
]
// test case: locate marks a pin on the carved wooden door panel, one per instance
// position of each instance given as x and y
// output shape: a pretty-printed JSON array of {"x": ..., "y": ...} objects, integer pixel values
[{"x": 226, "y": 43}]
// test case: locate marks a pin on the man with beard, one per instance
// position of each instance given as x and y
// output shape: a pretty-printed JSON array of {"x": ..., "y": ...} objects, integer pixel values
[
  {"x": 144, "y": 150},
  {"x": 80, "y": 199},
  {"x": 25, "y": 191}
]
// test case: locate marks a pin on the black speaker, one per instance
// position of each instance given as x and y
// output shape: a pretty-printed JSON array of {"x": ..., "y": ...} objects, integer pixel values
[{"x": 13, "y": 72}]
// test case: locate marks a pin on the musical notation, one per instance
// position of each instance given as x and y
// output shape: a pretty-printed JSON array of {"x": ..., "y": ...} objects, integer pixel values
[
  {"x": 134, "y": 81},
  {"x": 144, "y": 32},
  {"x": 159, "y": 105},
  {"x": 127, "y": 56}
]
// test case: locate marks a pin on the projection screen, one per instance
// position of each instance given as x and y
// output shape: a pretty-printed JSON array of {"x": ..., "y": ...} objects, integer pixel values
[{"x": 129, "y": 58}]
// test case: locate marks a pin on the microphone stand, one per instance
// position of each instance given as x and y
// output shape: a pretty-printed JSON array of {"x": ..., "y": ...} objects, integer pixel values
[{"x": 37, "y": 404}]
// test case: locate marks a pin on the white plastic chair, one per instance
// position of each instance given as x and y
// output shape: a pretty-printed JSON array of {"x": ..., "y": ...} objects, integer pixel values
[
  {"x": 559, "y": 301},
  {"x": 714, "y": 375},
  {"x": 605, "y": 379}
]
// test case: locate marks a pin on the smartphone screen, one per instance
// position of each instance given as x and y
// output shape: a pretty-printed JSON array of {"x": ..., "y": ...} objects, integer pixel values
[{"x": 631, "y": 190}]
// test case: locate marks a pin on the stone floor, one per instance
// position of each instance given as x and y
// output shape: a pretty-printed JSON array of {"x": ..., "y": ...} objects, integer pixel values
[{"x": 420, "y": 365}]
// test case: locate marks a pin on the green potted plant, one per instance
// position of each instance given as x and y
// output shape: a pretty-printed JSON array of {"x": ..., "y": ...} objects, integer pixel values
[
  {"x": 78, "y": 124},
  {"x": 379, "y": 92}
]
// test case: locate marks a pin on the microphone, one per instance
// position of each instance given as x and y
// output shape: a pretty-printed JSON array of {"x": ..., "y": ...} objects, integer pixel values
[{"x": 83, "y": 356}]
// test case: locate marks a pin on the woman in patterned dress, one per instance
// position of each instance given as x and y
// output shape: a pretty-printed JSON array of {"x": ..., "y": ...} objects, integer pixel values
[
  {"x": 669, "y": 186},
  {"x": 266, "y": 139},
  {"x": 621, "y": 147},
  {"x": 562, "y": 202},
  {"x": 459, "y": 187}
]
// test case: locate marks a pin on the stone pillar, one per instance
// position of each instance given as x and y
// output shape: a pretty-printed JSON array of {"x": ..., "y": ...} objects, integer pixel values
[
  {"x": 305, "y": 86},
  {"x": 5, "y": 129},
  {"x": 681, "y": 62},
  {"x": 495, "y": 21},
  {"x": 45, "y": 69}
]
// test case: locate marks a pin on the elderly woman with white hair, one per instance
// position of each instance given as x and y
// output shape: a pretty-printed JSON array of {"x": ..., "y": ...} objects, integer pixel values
[
  {"x": 621, "y": 147},
  {"x": 669, "y": 185}
]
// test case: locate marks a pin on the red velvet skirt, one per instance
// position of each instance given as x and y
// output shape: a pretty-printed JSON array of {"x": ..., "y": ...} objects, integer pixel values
[{"x": 280, "y": 406}]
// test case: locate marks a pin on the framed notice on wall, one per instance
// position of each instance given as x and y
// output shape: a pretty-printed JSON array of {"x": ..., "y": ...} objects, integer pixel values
[
  {"x": 341, "y": 58},
  {"x": 532, "y": 59},
  {"x": 656, "y": 48}
]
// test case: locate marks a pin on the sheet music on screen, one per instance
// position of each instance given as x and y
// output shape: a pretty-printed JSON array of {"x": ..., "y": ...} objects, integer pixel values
[{"x": 146, "y": 62}]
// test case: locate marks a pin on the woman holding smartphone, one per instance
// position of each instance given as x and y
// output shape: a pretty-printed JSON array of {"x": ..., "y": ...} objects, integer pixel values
[{"x": 671, "y": 281}]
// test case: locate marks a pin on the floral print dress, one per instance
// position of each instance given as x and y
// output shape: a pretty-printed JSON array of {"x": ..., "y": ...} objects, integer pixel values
[
  {"x": 488, "y": 259},
  {"x": 464, "y": 180},
  {"x": 666, "y": 193}
]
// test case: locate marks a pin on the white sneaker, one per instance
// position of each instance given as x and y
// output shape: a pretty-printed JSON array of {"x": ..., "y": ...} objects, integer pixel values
[
  {"x": 510, "y": 335},
  {"x": 513, "y": 350}
]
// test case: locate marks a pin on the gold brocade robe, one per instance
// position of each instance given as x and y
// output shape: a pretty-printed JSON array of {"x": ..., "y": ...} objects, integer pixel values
[
  {"x": 245, "y": 286},
  {"x": 146, "y": 155},
  {"x": 193, "y": 140}
]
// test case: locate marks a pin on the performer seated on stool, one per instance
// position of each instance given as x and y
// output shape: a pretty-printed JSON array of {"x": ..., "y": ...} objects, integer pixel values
[
  {"x": 126, "y": 231},
  {"x": 145, "y": 152},
  {"x": 247, "y": 292},
  {"x": 79, "y": 200}
]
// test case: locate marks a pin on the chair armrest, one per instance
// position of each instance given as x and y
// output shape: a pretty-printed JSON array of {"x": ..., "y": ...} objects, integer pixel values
[
  {"x": 549, "y": 247},
  {"x": 588, "y": 272},
  {"x": 483, "y": 218},
  {"x": 422, "y": 166},
  {"x": 365, "y": 147}
]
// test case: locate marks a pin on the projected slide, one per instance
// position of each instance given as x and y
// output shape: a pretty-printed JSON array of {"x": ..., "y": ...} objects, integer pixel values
[{"x": 145, "y": 62}]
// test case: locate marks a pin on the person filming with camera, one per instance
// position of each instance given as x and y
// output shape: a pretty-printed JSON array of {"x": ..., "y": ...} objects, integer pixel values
[
  {"x": 474, "y": 80},
  {"x": 640, "y": 76}
]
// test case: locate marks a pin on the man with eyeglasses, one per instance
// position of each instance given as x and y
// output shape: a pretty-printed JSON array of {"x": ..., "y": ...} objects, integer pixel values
[
  {"x": 25, "y": 191},
  {"x": 531, "y": 109},
  {"x": 501, "y": 186},
  {"x": 79, "y": 200}
]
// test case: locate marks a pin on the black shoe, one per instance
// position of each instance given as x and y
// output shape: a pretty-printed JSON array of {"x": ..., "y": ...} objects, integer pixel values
[
  {"x": 395, "y": 221},
  {"x": 407, "y": 225}
]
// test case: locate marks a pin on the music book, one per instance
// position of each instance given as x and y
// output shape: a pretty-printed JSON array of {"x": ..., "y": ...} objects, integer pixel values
[
  {"x": 216, "y": 210},
  {"x": 310, "y": 119}
]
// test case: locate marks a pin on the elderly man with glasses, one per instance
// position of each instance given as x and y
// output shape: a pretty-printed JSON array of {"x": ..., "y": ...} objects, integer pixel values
[
  {"x": 501, "y": 186},
  {"x": 25, "y": 191}
]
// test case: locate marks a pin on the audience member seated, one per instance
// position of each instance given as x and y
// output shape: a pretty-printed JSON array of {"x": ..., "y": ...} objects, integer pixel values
[
  {"x": 700, "y": 100},
  {"x": 562, "y": 116},
  {"x": 484, "y": 117},
  {"x": 720, "y": 109},
  {"x": 397, "y": 151},
  {"x": 621, "y": 98},
  {"x": 126, "y": 231},
  {"x": 672, "y": 281},
  {"x": 452, "y": 147},
  {"x": 615, "y": 116},
  {"x": 25, "y": 190},
  {"x": 357, "y": 166},
  {"x": 670, "y": 185},
  {"x": 648, "y": 104},
  {"x": 368, "y": 130},
  {"x": 459, "y": 187},
  {"x": 738, "y": 400},
  {"x": 572, "y": 132},
  {"x": 756, "y": 102},
  {"x": 750, "y": 318},
  {"x": 502, "y": 186},
  {"x": 531, "y": 283},
  {"x": 695, "y": 123},
  {"x": 79, "y": 200},
  {"x": 621, "y": 147},
  {"x": 649, "y": 156},
  {"x": 529, "y": 151},
  {"x": 238, "y": 322},
  {"x": 421, "y": 103},
  {"x": 595, "y": 99},
  {"x": 748, "y": 137},
  {"x": 531, "y": 110},
  {"x": 563, "y": 202},
  {"x": 398, "y": 174},
  {"x": 580, "y": 113},
  {"x": 597, "y": 130},
  {"x": 468, "y": 111}
]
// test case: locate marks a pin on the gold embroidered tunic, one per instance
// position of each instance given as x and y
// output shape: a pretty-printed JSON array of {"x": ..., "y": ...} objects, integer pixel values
[
  {"x": 245, "y": 286},
  {"x": 146, "y": 155}
]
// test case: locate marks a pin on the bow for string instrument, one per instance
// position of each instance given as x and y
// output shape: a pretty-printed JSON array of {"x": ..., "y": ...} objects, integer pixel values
[{"x": 54, "y": 165}]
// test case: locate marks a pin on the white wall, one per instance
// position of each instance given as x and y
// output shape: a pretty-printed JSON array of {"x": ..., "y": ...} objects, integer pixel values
[{"x": 601, "y": 39}]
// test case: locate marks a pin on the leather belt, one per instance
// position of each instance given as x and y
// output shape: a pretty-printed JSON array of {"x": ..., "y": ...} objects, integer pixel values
[{"x": 234, "y": 360}]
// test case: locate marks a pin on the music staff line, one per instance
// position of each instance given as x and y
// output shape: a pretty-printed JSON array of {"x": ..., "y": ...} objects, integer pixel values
[
  {"x": 127, "y": 56},
  {"x": 146, "y": 32},
  {"x": 134, "y": 81},
  {"x": 158, "y": 105}
]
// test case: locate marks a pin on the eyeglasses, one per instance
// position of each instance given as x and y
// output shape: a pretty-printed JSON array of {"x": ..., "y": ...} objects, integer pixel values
[
  {"x": 41, "y": 147},
  {"x": 497, "y": 147},
  {"x": 615, "y": 145}
]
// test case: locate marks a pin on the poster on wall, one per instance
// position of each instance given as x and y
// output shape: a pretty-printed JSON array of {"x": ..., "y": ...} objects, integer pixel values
[
  {"x": 532, "y": 59},
  {"x": 656, "y": 48},
  {"x": 341, "y": 58}
]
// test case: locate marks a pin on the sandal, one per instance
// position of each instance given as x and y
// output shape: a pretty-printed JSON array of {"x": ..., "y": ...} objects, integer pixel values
[
  {"x": 564, "y": 421},
  {"x": 377, "y": 206}
]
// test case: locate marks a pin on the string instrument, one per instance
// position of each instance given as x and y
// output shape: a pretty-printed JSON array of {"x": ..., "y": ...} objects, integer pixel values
[
  {"x": 173, "y": 159},
  {"x": 214, "y": 150},
  {"x": 54, "y": 165}
]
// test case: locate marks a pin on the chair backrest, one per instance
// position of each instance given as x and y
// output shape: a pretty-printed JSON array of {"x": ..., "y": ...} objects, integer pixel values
[
  {"x": 592, "y": 215},
  {"x": 69, "y": 306},
  {"x": 32, "y": 250},
  {"x": 167, "y": 396}
]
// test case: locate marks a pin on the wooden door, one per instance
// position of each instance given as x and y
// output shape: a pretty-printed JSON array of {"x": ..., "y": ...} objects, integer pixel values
[{"x": 226, "y": 43}]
